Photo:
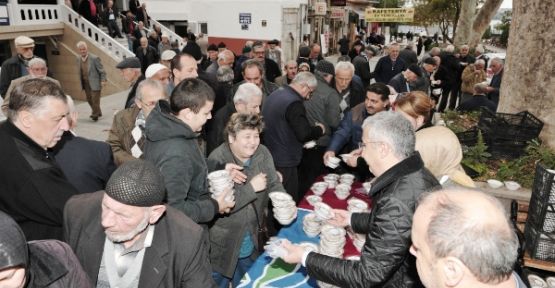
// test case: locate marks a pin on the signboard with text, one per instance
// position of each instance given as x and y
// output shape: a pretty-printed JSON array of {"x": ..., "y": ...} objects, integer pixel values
[
  {"x": 338, "y": 3},
  {"x": 337, "y": 13},
  {"x": 389, "y": 14},
  {"x": 245, "y": 18},
  {"x": 320, "y": 8}
]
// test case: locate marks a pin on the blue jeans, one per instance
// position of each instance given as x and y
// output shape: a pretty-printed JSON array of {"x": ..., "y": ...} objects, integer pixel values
[{"x": 243, "y": 265}]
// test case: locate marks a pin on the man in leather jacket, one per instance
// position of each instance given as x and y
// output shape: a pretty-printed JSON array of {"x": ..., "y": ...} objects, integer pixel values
[{"x": 388, "y": 148}]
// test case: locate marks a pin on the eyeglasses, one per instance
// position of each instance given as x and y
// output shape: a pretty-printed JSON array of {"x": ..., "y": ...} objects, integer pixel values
[
  {"x": 149, "y": 103},
  {"x": 311, "y": 91},
  {"x": 364, "y": 144}
]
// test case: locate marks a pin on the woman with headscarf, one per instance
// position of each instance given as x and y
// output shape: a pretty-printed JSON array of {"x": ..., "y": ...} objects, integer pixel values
[{"x": 439, "y": 147}]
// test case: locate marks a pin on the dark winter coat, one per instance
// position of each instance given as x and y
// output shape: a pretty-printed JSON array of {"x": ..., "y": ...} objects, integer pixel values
[
  {"x": 173, "y": 147},
  {"x": 385, "y": 259}
]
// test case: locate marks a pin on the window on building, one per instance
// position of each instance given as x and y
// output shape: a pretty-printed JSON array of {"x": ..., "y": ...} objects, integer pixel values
[{"x": 204, "y": 28}]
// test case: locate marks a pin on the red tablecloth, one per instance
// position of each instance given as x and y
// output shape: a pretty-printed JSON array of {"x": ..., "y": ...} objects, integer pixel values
[{"x": 329, "y": 198}]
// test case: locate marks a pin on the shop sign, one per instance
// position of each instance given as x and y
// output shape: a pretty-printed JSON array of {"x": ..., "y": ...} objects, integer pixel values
[
  {"x": 337, "y": 13},
  {"x": 389, "y": 14},
  {"x": 338, "y": 3},
  {"x": 320, "y": 8},
  {"x": 245, "y": 18}
]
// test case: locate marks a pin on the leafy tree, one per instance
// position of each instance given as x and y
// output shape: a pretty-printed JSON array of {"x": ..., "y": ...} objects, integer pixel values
[{"x": 504, "y": 26}]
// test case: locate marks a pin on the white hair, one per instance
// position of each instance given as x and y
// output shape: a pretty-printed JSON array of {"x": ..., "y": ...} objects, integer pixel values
[
  {"x": 81, "y": 44},
  {"x": 342, "y": 65},
  {"x": 450, "y": 48},
  {"x": 245, "y": 92},
  {"x": 36, "y": 61}
]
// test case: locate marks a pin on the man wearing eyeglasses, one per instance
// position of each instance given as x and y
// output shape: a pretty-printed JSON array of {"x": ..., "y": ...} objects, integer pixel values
[
  {"x": 388, "y": 148},
  {"x": 16, "y": 66},
  {"x": 126, "y": 137},
  {"x": 287, "y": 127},
  {"x": 271, "y": 68},
  {"x": 37, "y": 69}
]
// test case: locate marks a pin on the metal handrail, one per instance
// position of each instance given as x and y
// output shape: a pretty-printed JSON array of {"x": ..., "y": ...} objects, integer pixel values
[{"x": 94, "y": 34}]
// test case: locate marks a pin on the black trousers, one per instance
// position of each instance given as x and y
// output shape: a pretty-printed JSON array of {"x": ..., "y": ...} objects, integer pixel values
[
  {"x": 312, "y": 166},
  {"x": 290, "y": 181}
]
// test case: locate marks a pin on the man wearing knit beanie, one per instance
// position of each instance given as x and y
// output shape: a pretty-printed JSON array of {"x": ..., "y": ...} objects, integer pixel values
[{"x": 122, "y": 236}]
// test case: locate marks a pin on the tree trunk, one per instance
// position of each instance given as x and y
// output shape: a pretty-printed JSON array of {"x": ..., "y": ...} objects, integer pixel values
[
  {"x": 529, "y": 77},
  {"x": 471, "y": 25},
  {"x": 464, "y": 24}
]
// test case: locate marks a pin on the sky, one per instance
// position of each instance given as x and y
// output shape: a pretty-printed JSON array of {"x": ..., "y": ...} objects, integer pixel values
[{"x": 507, "y": 4}]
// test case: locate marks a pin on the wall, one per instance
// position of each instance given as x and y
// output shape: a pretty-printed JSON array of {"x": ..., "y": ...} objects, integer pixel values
[{"x": 65, "y": 69}]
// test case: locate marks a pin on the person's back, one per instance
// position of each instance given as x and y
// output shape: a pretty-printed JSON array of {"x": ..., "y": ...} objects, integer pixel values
[{"x": 86, "y": 163}]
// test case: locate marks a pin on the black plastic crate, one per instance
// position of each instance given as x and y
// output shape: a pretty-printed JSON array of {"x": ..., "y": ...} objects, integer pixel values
[
  {"x": 539, "y": 232},
  {"x": 469, "y": 137},
  {"x": 522, "y": 126},
  {"x": 541, "y": 211},
  {"x": 504, "y": 148},
  {"x": 539, "y": 245}
]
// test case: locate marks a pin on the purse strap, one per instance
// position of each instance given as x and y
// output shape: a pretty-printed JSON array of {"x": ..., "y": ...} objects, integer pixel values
[{"x": 256, "y": 213}]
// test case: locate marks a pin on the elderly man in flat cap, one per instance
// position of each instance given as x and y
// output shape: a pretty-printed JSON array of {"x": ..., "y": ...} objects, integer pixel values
[
  {"x": 16, "y": 66},
  {"x": 126, "y": 237},
  {"x": 130, "y": 69},
  {"x": 45, "y": 263}
]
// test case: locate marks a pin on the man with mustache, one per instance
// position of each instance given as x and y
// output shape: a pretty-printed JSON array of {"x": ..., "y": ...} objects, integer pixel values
[{"x": 126, "y": 236}]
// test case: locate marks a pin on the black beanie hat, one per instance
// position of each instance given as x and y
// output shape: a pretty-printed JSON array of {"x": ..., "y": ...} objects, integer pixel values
[{"x": 137, "y": 183}]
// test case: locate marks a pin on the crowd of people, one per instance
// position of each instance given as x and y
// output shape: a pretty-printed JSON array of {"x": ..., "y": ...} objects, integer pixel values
[{"x": 139, "y": 210}]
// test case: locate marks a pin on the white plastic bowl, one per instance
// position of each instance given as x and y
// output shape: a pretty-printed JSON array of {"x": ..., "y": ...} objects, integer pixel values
[
  {"x": 495, "y": 184},
  {"x": 512, "y": 185}
]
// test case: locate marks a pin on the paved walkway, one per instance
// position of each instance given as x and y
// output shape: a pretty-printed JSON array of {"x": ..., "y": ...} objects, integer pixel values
[{"x": 99, "y": 130}]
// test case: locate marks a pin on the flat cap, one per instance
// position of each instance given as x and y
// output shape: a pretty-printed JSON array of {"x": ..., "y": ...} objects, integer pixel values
[
  {"x": 415, "y": 69},
  {"x": 325, "y": 67},
  {"x": 24, "y": 42},
  {"x": 212, "y": 47},
  {"x": 137, "y": 183},
  {"x": 131, "y": 62}
]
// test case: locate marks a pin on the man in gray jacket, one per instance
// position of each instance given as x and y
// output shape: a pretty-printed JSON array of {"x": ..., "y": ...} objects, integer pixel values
[
  {"x": 92, "y": 77},
  {"x": 322, "y": 107}
]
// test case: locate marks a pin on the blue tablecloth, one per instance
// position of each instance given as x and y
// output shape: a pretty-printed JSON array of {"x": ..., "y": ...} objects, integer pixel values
[{"x": 269, "y": 272}]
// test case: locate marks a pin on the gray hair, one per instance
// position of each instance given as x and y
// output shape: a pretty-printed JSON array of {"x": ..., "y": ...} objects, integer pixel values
[
  {"x": 151, "y": 84},
  {"x": 253, "y": 63},
  {"x": 245, "y": 92},
  {"x": 290, "y": 62},
  {"x": 224, "y": 74},
  {"x": 480, "y": 62},
  {"x": 80, "y": 44},
  {"x": 71, "y": 110},
  {"x": 30, "y": 95},
  {"x": 435, "y": 49},
  {"x": 343, "y": 65},
  {"x": 497, "y": 60},
  {"x": 305, "y": 78},
  {"x": 450, "y": 48},
  {"x": 479, "y": 48},
  {"x": 391, "y": 128},
  {"x": 36, "y": 61},
  {"x": 487, "y": 249}
]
